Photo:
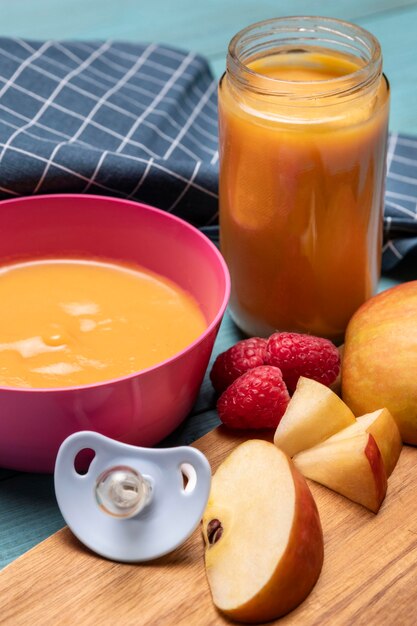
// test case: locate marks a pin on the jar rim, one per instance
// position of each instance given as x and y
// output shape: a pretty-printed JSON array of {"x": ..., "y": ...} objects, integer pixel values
[{"x": 339, "y": 85}]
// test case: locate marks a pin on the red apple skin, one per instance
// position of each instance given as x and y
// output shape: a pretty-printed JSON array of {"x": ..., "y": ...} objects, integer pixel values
[
  {"x": 376, "y": 462},
  {"x": 380, "y": 358},
  {"x": 299, "y": 567}
]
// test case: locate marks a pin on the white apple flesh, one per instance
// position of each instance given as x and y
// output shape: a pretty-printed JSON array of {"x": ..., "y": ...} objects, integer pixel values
[
  {"x": 314, "y": 413},
  {"x": 383, "y": 428},
  {"x": 350, "y": 466},
  {"x": 264, "y": 543}
]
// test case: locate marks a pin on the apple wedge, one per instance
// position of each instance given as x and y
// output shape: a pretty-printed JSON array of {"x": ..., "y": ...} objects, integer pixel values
[
  {"x": 264, "y": 543},
  {"x": 314, "y": 413},
  {"x": 350, "y": 466},
  {"x": 383, "y": 428}
]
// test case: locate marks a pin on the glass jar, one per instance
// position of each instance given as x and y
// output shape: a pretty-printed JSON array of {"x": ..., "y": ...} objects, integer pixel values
[{"x": 303, "y": 113}]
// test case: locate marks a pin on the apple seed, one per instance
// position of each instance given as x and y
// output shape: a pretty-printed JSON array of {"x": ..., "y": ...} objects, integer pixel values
[{"x": 214, "y": 531}]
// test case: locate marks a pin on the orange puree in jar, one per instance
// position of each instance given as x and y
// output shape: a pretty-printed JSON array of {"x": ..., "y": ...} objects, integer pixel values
[
  {"x": 66, "y": 322},
  {"x": 302, "y": 162}
]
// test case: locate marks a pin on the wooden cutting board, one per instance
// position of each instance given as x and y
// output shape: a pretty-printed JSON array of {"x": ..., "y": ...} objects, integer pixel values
[{"x": 369, "y": 574}]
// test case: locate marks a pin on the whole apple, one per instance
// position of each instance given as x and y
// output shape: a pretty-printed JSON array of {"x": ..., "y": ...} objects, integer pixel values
[{"x": 380, "y": 358}]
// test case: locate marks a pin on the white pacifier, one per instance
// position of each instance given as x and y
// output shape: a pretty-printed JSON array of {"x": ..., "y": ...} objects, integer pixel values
[{"x": 133, "y": 504}]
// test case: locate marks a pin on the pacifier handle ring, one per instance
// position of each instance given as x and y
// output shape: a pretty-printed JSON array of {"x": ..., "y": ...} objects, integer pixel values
[{"x": 73, "y": 445}]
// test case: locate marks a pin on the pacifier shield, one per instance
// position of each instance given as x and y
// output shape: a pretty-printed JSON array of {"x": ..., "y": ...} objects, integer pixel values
[{"x": 132, "y": 504}]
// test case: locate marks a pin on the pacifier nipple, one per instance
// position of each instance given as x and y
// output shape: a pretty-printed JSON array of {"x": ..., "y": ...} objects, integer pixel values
[
  {"x": 132, "y": 504},
  {"x": 122, "y": 492}
]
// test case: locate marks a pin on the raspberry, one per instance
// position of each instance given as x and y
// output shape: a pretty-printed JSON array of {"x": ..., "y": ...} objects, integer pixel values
[
  {"x": 257, "y": 399},
  {"x": 303, "y": 355},
  {"x": 237, "y": 360}
]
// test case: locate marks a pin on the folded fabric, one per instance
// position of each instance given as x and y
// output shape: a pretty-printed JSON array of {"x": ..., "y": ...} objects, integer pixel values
[
  {"x": 139, "y": 122},
  {"x": 135, "y": 121},
  {"x": 400, "y": 217}
]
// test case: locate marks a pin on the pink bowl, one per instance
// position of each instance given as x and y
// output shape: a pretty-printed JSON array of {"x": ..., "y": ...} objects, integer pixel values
[{"x": 141, "y": 408}]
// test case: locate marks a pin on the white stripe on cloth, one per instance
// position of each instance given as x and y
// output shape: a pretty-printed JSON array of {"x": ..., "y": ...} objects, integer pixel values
[
  {"x": 141, "y": 179},
  {"x": 49, "y": 129},
  {"x": 187, "y": 186},
  {"x": 122, "y": 68},
  {"x": 129, "y": 73},
  {"x": 6, "y": 190},
  {"x": 178, "y": 72},
  {"x": 404, "y": 179},
  {"x": 71, "y": 113},
  {"x": 63, "y": 168},
  {"x": 402, "y": 209},
  {"x": 400, "y": 196},
  {"x": 114, "y": 107},
  {"x": 405, "y": 160},
  {"x": 210, "y": 104},
  {"x": 202, "y": 131},
  {"x": 23, "y": 65},
  {"x": 96, "y": 171},
  {"x": 192, "y": 117},
  {"x": 191, "y": 110},
  {"x": 155, "y": 164},
  {"x": 405, "y": 141},
  {"x": 390, "y": 246},
  {"x": 391, "y": 149},
  {"x": 186, "y": 150},
  {"x": 171, "y": 54},
  {"x": 55, "y": 92},
  {"x": 173, "y": 101}
]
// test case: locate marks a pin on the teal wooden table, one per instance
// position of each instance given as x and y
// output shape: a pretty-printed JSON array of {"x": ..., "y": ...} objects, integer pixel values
[{"x": 28, "y": 511}]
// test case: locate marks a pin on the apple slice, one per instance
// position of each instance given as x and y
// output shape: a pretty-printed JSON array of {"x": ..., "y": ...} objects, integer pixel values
[
  {"x": 350, "y": 466},
  {"x": 314, "y": 413},
  {"x": 264, "y": 543},
  {"x": 383, "y": 428}
]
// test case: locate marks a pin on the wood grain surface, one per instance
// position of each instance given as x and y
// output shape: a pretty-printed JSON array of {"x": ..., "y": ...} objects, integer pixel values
[{"x": 368, "y": 576}]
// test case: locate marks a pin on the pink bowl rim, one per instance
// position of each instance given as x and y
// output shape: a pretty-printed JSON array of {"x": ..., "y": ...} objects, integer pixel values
[{"x": 169, "y": 217}]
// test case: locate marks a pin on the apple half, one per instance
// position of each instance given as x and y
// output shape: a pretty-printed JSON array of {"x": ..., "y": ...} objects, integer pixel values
[
  {"x": 352, "y": 466},
  {"x": 314, "y": 413},
  {"x": 264, "y": 542},
  {"x": 383, "y": 428}
]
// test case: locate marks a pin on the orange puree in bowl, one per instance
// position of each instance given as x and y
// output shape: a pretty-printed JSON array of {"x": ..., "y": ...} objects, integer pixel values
[
  {"x": 67, "y": 322},
  {"x": 301, "y": 192}
]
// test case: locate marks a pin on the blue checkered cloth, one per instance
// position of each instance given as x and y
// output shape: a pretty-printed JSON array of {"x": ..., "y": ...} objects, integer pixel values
[
  {"x": 135, "y": 121},
  {"x": 139, "y": 122}
]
